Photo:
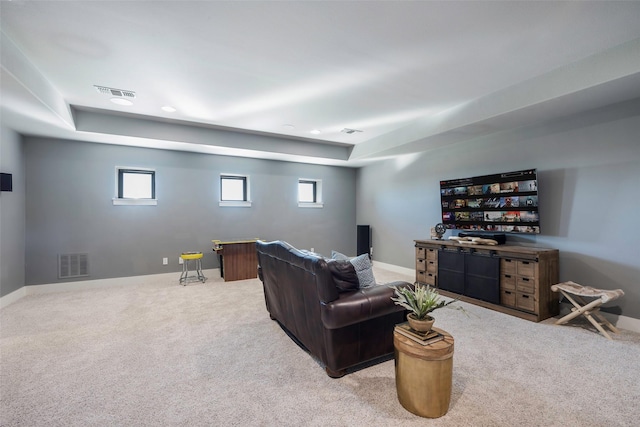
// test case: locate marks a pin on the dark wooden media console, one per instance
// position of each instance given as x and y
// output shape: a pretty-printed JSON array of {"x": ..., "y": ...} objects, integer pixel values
[{"x": 515, "y": 280}]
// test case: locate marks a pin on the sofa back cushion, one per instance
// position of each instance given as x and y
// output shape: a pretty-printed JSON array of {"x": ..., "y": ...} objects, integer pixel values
[{"x": 344, "y": 274}]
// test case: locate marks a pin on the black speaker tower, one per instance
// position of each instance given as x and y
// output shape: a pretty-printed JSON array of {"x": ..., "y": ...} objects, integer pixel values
[{"x": 364, "y": 239}]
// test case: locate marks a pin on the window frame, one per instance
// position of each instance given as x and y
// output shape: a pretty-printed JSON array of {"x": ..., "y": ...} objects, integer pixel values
[
  {"x": 118, "y": 200},
  {"x": 317, "y": 196},
  {"x": 246, "y": 190}
]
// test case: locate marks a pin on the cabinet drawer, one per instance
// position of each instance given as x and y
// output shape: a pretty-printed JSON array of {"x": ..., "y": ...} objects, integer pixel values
[
  {"x": 526, "y": 284},
  {"x": 432, "y": 266},
  {"x": 420, "y": 275},
  {"x": 421, "y": 265},
  {"x": 507, "y": 266},
  {"x": 432, "y": 254},
  {"x": 525, "y": 301},
  {"x": 430, "y": 279},
  {"x": 420, "y": 253},
  {"x": 527, "y": 268},
  {"x": 426, "y": 278},
  {"x": 507, "y": 298},
  {"x": 508, "y": 281}
]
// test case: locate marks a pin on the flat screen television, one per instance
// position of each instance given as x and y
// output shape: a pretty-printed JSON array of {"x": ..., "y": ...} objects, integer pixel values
[{"x": 500, "y": 203}]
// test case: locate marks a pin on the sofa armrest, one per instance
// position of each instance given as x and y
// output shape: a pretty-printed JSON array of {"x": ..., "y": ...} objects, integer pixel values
[{"x": 361, "y": 305}]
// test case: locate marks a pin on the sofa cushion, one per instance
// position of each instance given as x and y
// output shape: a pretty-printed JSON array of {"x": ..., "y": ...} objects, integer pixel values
[
  {"x": 364, "y": 270},
  {"x": 344, "y": 275}
]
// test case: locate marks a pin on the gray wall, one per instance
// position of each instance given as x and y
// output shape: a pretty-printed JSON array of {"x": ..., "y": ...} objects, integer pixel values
[
  {"x": 12, "y": 214},
  {"x": 69, "y": 209},
  {"x": 589, "y": 194}
]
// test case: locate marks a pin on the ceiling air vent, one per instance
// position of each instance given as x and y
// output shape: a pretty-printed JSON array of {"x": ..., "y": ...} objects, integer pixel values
[
  {"x": 350, "y": 131},
  {"x": 115, "y": 92}
]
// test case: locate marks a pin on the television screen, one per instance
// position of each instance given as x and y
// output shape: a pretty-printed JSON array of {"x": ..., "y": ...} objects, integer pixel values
[{"x": 504, "y": 202}]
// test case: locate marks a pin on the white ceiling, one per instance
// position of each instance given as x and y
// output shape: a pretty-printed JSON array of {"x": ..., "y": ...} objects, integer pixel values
[{"x": 410, "y": 75}]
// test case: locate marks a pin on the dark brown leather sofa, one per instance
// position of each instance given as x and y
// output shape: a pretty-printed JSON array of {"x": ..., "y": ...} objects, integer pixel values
[{"x": 340, "y": 329}]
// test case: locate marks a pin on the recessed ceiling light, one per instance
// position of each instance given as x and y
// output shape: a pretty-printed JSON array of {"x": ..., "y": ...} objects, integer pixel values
[
  {"x": 289, "y": 127},
  {"x": 350, "y": 131},
  {"x": 316, "y": 132},
  {"x": 121, "y": 101},
  {"x": 169, "y": 109}
]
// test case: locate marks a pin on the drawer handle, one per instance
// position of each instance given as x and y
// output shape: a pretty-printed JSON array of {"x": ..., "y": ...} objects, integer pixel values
[
  {"x": 508, "y": 276},
  {"x": 506, "y": 260},
  {"x": 525, "y": 296},
  {"x": 524, "y": 279},
  {"x": 507, "y": 292},
  {"x": 525, "y": 262}
]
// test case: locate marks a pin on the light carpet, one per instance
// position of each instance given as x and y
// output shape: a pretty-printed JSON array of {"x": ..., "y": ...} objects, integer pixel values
[{"x": 160, "y": 354}]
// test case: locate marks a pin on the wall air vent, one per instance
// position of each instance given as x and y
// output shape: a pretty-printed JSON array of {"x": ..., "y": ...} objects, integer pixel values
[
  {"x": 115, "y": 92},
  {"x": 350, "y": 131},
  {"x": 73, "y": 265}
]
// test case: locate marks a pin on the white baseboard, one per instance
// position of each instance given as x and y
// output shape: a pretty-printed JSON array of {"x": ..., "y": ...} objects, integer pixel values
[
  {"x": 93, "y": 284},
  {"x": 622, "y": 322},
  {"x": 13, "y": 297},
  {"x": 395, "y": 268}
]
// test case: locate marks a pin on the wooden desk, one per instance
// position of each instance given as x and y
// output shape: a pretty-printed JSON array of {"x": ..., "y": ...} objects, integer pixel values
[{"x": 238, "y": 259}]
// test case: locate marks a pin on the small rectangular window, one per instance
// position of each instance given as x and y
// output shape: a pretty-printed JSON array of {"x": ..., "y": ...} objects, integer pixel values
[
  {"x": 234, "y": 190},
  {"x": 306, "y": 191},
  {"x": 310, "y": 193},
  {"x": 135, "y": 186}
]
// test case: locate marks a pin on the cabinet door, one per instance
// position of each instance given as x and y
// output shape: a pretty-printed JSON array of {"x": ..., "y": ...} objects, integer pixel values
[
  {"x": 482, "y": 277},
  {"x": 451, "y": 271}
]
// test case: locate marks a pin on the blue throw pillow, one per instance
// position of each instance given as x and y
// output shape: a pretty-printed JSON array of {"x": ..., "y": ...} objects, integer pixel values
[
  {"x": 338, "y": 255},
  {"x": 364, "y": 270}
]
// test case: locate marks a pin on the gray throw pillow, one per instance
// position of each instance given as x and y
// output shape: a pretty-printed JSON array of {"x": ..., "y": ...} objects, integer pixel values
[{"x": 364, "y": 270}]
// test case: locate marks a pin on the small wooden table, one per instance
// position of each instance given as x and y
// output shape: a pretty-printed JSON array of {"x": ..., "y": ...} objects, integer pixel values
[
  {"x": 238, "y": 258},
  {"x": 424, "y": 374}
]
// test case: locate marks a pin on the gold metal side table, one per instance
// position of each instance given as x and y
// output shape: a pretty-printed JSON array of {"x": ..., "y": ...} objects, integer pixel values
[{"x": 424, "y": 374}]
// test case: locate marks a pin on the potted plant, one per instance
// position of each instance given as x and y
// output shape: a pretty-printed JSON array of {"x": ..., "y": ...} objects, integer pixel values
[{"x": 420, "y": 301}]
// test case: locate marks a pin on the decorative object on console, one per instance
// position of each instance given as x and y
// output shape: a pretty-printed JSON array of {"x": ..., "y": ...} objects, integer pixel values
[
  {"x": 500, "y": 238},
  {"x": 420, "y": 301},
  {"x": 473, "y": 241},
  {"x": 438, "y": 231}
]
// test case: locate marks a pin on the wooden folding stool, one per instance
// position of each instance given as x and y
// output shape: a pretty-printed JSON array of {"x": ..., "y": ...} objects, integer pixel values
[{"x": 574, "y": 293}]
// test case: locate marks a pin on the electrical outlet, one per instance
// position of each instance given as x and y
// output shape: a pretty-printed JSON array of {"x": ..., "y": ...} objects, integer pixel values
[
  {"x": 180, "y": 260},
  {"x": 165, "y": 261},
  {"x": 371, "y": 250},
  {"x": 313, "y": 250}
]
